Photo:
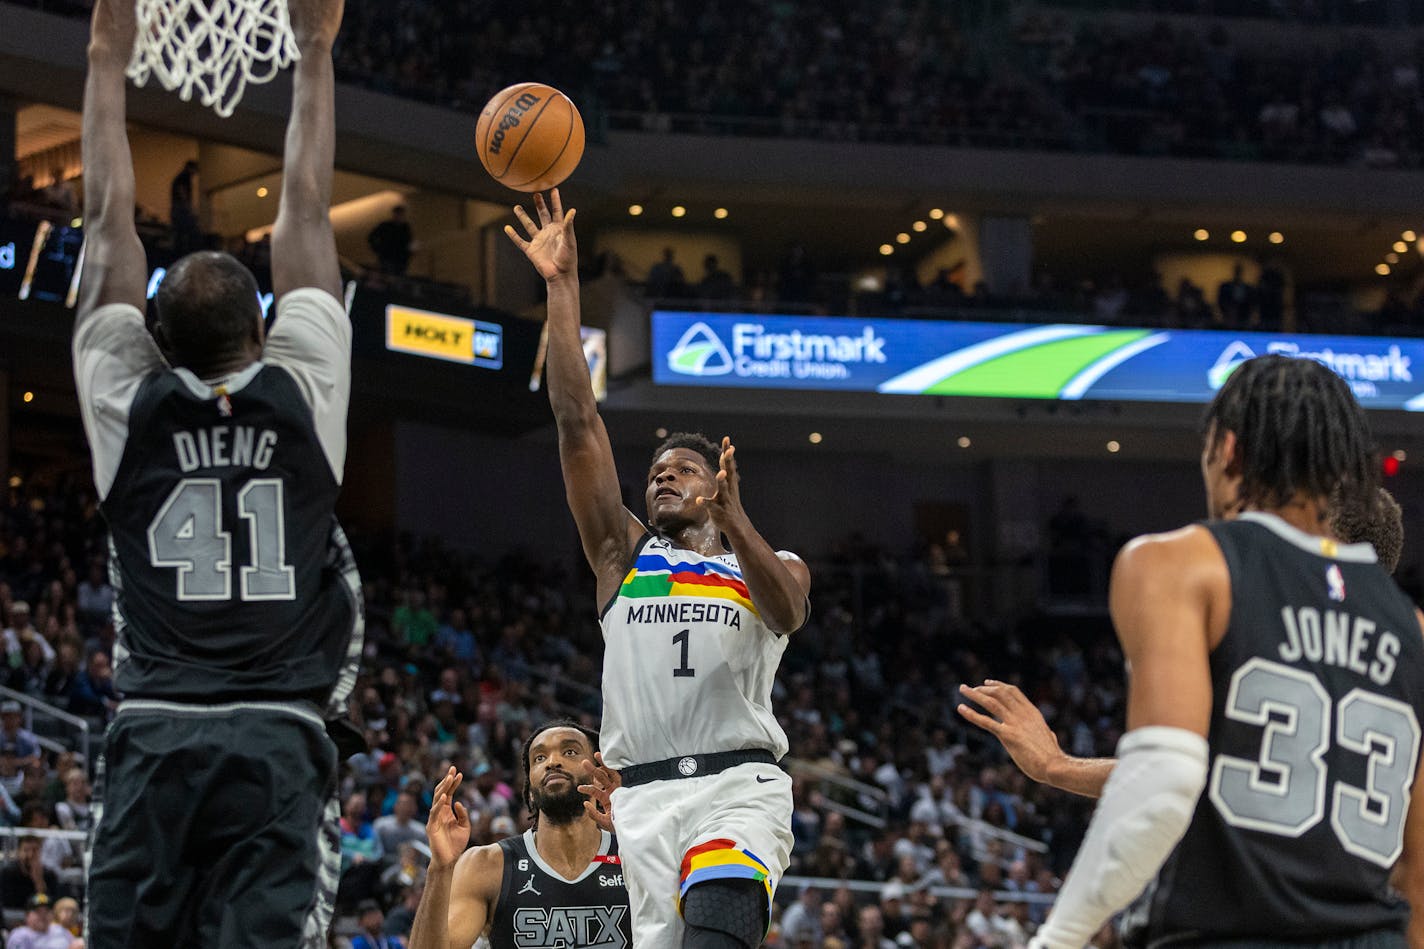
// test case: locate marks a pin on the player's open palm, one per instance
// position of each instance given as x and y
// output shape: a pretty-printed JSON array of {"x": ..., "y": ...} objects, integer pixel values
[
  {"x": 315, "y": 21},
  {"x": 447, "y": 829},
  {"x": 551, "y": 247},
  {"x": 600, "y": 781},
  {"x": 1016, "y": 722},
  {"x": 725, "y": 506}
]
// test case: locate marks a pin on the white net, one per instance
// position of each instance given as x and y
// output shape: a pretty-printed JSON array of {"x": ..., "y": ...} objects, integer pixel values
[{"x": 211, "y": 48}]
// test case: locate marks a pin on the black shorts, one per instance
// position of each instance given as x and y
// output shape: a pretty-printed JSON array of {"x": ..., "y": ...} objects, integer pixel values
[{"x": 214, "y": 826}]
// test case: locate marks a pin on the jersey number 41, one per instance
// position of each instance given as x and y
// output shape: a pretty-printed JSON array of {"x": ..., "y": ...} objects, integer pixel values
[{"x": 187, "y": 534}]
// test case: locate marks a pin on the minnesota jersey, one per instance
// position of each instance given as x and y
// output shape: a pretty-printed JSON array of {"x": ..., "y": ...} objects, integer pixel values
[
  {"x": 539, "y": 909},
  {"x": 688, "y": 663},
  {"x": 1318, "y": 693},
  {"x": 233, "y": 579}
]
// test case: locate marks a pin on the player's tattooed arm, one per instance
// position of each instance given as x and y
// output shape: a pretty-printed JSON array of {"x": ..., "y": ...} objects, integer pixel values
[
  {"x": 779, "y": 583},
  {"x": 606, "y": 528},
  {"x": 114, "y": 263},
  {"x": 1020, "y": 727},
  {"x": 303, "y": 245}
]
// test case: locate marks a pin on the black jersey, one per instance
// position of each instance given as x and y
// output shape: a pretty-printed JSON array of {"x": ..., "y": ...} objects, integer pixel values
[
  {"x": 539, "y": 909},
  {"x": 234, "y": 580},
  {"x": 1318, "y": 692}
]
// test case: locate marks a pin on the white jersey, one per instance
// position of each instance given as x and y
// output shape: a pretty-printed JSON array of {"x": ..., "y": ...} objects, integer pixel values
[{"x": 688, "y": 663}]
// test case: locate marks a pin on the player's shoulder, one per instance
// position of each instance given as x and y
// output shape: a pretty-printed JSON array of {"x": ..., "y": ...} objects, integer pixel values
[
  {"x": 480, "y": 870},
  {"x": 1187, "y": 553}
]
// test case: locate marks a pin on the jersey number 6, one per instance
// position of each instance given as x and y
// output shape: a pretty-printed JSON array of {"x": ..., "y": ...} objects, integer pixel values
[{"x": 187, "y": 533}]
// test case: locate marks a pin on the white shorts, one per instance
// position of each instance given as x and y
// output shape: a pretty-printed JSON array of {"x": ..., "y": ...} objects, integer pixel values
[{"x": 673, "y": 835}]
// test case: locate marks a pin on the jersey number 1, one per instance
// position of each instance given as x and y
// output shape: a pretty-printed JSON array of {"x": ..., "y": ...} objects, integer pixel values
[
  {"x": 683, "y": 670},
  {"x": 187, "y": 533}
]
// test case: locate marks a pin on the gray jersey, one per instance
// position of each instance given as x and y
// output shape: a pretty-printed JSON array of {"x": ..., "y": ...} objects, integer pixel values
[{"x": 688, "y": 663}]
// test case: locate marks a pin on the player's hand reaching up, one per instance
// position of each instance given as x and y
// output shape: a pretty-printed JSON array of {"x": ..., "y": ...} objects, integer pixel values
[
  {"x": 112, "y": 29},
  {"x": 551, "y": 247},
  {"x": 1017, "y": 723},
  {"x": 725, "y": 507},
  {"x": 601, "y": 782},
  {"x": 448, "y": 827},
  {"x": 316, "y": 22}
]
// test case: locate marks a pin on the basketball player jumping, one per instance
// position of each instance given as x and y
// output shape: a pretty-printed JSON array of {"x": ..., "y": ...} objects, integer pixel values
[
  {"x": 693, "y": 634},
  {"x": 560, "y": 884},
  {"x": 218, "y": 454},
  {"x": 1282, "y": 671}
]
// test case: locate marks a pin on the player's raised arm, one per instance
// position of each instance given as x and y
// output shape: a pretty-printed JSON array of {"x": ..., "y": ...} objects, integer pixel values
[
  {"x": 303, "y": 245},
  {"x": 590, "y": 479},
  {"x": 779, "y": 583},
  {"x": 460, "y": 884},
  {"x": 114, "y": 263},
  {"x": 1169, "y": 594}
]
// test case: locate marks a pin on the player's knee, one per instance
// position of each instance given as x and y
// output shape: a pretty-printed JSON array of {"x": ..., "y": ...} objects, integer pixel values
[{"x": 725, "y": 914}]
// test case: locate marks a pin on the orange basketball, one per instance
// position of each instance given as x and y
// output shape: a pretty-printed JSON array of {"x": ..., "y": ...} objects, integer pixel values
[{"x": 530, "y": 137}]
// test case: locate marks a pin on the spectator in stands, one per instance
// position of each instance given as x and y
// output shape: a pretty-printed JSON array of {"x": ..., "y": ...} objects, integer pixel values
[
  {"x": 413, "y": 622},
  {"x": 797, "y": 280},
  {"x": 372, "y": 935},
  {"x": 457, "y": 641},
  {"x": 94, "y": 695},
  {"x": 74, "y": 812},
  {"x": 55, "y": 852},
  {"x": 62, "y": 674},
  {"x": 402, "y": 916},
  {"x": 870, "y": 929},
  {"x": 95, "y": 597},
  {"x": 32, "y": 672},
  {"x": 716, "y": 283},
  {"x": 59, "y": 193},
  {"x": 1236, "y": 301},
  {"x": 66, "y": 913},
  {"x": 34, "y": 785},
  {"x": 26, "y": 876},
  {"x": 22, "y": 631},
  {"x": 14, "y": 737},
  {"x": 183, "y": 209},
  {"x": 665, "y": 278},
  {"x": 40, "y": 931},
  {"x": 399, "y": 827},
  {"x": 391, "y": 241},
  {"x": 802, "y": 919}
]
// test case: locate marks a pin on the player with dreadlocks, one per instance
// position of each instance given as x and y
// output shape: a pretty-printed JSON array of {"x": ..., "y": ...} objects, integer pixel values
[
  {"x": 1282, "y": 671},
  {"x": 559, "y": 884}
]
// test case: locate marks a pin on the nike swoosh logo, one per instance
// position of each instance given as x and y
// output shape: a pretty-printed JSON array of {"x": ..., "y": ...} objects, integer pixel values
[{"x": 761, "y": 780}]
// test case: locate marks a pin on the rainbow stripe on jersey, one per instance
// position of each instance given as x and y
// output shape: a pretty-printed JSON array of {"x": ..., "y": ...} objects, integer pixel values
[{"x": 654, "y": 575}]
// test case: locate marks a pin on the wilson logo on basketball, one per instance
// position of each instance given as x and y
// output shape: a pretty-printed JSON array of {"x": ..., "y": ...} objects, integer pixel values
[{"x": 511, "y": 119}]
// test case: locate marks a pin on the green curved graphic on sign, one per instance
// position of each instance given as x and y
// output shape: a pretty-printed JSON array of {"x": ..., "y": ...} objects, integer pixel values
[{"x": 1039, "y": 372}]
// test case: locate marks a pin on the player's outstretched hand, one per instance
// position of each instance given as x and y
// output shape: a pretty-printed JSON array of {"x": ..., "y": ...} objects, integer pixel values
[
  {"x": 601, "y": 782},
  {"x": 1016, "y": 722},
  {"x": 725, "y": 506},
  {"x": 112, "y": 28},
  {"x": 448, "y": 827},
  {"x": 316, "y": 22},
  {"x": 552, "y": 247}
]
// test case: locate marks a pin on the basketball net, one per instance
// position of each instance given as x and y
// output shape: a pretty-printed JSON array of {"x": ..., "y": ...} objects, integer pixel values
[{"x": 213, "y": 48}]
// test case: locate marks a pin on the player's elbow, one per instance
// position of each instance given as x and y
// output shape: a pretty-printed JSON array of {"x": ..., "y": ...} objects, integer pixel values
[{"x": 1408, "y": 879}]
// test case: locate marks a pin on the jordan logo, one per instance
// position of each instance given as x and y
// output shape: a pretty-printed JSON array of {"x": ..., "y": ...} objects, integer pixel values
[{"x": 529, "y": 888}]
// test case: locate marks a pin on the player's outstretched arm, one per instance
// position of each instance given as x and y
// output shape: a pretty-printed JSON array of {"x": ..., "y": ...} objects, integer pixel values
[
  {"x": 459, "y": 889},
  {"x": 303, "y": 245},
  {"x": 779, "y": 583},
  {"x": 114, "y": 263},
  {"x": 600, "y": 781},
  {"x": 1170, "y": 595},
  {"x": 605, "y": 527},
  {"x": 1019, "y": 726}
]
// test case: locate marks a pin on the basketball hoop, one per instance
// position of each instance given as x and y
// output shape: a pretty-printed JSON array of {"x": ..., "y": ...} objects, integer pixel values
[{"x": 213, "y": 48}]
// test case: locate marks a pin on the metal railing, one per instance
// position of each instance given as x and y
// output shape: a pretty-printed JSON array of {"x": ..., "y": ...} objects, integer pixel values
[
  {"x": 792, "y": 884},
  {"x": 33, "y": 705}
]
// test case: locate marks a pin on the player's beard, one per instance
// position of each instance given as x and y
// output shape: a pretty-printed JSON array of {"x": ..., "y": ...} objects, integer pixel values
[{"x": 559, "y": 807}]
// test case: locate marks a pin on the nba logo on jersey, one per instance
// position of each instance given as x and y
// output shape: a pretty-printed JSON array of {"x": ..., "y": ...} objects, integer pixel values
[{"x": 1336, "y": 581}]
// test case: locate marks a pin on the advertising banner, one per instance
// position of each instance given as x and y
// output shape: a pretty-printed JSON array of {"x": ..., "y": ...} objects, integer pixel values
[{"x": 1007, "y": 361}]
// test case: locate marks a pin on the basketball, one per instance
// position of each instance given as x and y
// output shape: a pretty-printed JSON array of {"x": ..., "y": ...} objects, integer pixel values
[{"x": 530, "y": 137}]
